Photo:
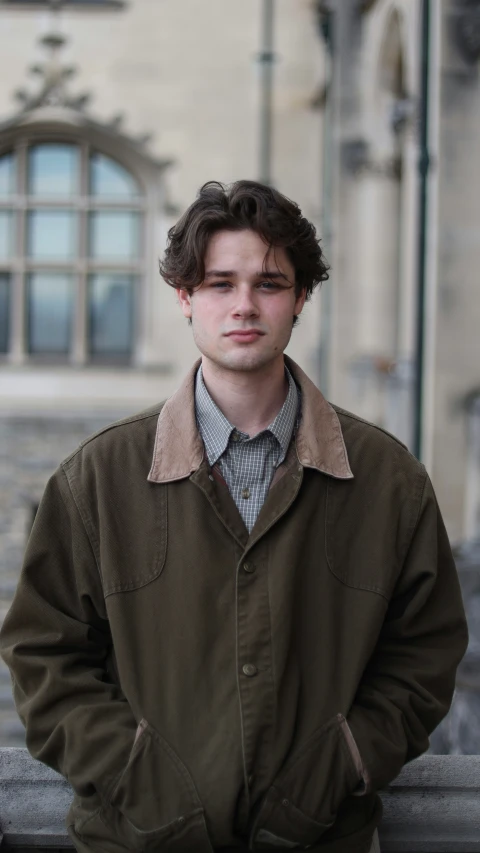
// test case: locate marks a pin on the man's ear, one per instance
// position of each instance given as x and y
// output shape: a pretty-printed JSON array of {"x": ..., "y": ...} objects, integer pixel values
[
  {"x": 184, "y": 299},
  {"x": 300, "y": 302}
]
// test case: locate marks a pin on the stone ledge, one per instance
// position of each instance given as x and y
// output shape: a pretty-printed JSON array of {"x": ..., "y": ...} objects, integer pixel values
[{"x": 433, "y": 806}]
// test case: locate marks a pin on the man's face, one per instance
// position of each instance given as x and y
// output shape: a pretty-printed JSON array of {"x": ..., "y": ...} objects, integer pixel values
[{"x": 242, "y": 313}]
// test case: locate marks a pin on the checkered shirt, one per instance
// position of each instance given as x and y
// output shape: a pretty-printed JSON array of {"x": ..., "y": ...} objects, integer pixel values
[{"x": 246, "y": 464}]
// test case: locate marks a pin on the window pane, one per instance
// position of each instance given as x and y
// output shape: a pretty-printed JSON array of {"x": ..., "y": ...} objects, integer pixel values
[
  {"x": 110, "y": 180},
  {"x": 7, "y": 175},
  {"x": 4, "y": 310},
  {"x": 110, "y": 313},
  {"x": 53, "y": 170},
  {"x": 114, "y": 235},
  {"x": 6, "y": 234},
  {"x": 52, "y": 234},
  {"x": 50, "y": 301}
]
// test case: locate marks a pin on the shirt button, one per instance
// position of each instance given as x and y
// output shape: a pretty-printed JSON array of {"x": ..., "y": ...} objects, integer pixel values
[
  {"x": 248, "y": 567},
  {"x": 249, "y": 669},
  {"x": 245, "y": 493},
  {"x": 235, "y": 436}
]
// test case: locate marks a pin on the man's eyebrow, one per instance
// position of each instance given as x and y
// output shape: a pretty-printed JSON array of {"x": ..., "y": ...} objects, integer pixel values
[
  {"x": 232, "y": 273},
  {"x": 272, "y": 274},
  {"x": 217, "y": 273}
]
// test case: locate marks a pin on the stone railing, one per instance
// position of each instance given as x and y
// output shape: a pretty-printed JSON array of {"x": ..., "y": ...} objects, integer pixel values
[{"x": 432, "y": 807}]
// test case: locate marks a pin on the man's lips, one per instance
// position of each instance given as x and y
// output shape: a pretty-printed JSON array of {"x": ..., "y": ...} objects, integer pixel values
[
  {"x": 245, "y": 335},
  {"x": 244, "y": 332}
]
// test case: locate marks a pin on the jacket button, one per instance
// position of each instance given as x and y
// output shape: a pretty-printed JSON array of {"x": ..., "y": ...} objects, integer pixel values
[
  {"x": 248, "y": 567},
  {"x": 249, "y": 669}
]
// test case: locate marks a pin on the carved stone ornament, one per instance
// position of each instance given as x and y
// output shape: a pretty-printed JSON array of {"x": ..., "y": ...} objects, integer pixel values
[
  {"x": 468, "y": 30},
  {"x": 54, "y": 78}
]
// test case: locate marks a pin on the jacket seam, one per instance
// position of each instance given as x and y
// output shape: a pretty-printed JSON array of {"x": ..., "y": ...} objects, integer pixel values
[
  {"x": 88, "y": 819},
  {"x": 276, "y": 518},
  {"x": 417, "y": 518},
  {"x": 311, "y": 741},
  {"x": 82, "y": 521},
  {"x": 354, "y": 417},
  {"x": 239, "y": 693},
  {"x": 141, "y": 416},
  {"x": 139, "y": 582},
  {"x": 213, "y": 503},
  {"x": 181, "y": 768},
  {"x": 359, "y": 586},
  {"x": 272, "y": 668}
]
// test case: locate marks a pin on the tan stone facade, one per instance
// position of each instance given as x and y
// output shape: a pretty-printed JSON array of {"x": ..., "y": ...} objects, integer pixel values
[
  {"x": 373, "y": 221},
  {"x": 346, "y": 147},
  {"x": 188, "y": 73}
]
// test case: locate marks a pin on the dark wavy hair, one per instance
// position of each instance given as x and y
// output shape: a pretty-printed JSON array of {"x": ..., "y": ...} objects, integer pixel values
[{"x": 234, "y": 207}]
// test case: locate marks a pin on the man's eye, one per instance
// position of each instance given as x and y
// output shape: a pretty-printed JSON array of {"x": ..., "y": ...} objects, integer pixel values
[
  {"x": 269, "y": 285},
  {"x": 220, "y": 285}
]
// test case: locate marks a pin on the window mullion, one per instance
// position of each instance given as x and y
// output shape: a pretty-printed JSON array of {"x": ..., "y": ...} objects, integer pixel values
[
  {"x": 79, "y": 347},
  {"x": 18, "y": 351}
]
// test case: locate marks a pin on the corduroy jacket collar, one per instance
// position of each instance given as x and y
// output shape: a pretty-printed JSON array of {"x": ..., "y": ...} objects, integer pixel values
[{"x": 179, "y": 449}]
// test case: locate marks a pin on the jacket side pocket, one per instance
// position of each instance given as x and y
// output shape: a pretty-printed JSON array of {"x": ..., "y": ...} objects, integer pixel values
[
  {"x": 153, "y": 803},
  {"x": 307, "y": 793}
]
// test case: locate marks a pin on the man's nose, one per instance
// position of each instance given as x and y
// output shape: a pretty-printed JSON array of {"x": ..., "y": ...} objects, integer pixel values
[{"x": 245, "y": 303}]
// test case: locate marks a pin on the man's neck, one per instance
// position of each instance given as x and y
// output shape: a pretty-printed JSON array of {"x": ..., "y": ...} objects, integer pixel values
[{"x": 250, "y": 400}]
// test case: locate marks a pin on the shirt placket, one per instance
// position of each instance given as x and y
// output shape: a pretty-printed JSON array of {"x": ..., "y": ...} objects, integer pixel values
[{"x": 248, "y": 488}]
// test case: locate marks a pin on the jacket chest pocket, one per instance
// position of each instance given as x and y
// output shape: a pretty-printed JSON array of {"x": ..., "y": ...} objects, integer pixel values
[
  {"x": 362, "y": 539},
  {"x": 133, "y": 539}
]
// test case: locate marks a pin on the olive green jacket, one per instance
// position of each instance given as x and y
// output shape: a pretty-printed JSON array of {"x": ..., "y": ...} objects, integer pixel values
[{"x": 206, "y": 689}]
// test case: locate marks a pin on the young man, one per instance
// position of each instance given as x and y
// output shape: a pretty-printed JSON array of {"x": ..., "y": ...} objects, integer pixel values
[{"x": 239, "y": 615}]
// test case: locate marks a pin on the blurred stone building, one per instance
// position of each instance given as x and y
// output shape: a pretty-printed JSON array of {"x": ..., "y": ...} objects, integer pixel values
[
  {"x": 112, "y": 115},
  {"x": 401, "y": 221},
  {"x": 400, "y": 339}
]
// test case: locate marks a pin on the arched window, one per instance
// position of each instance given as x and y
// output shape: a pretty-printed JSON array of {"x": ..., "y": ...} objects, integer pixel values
[{"x": 71, "y": 225}]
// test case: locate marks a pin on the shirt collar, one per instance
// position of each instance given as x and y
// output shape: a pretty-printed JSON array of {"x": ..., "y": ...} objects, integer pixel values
[
  {"x": 216, "y": 429},
  {"x": 179, "y": 450}
]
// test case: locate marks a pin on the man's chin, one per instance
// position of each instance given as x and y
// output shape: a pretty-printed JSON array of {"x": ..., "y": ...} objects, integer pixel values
[{"x": 244, "y": 362}]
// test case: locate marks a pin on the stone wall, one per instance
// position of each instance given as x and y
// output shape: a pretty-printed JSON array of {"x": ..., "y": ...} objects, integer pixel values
[
  {"x": 30, "y": 450},
  {"x": 432, "y": 807}
]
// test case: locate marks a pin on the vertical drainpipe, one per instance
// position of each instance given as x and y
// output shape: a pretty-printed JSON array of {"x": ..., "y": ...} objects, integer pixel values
[
  {"x": 423, "y": 165},
  {"x": 327, "y": 190},
  {"x": 266, "y": 59}
]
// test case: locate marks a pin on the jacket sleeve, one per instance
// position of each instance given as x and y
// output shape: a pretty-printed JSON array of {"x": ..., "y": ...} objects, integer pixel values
[
  {"x": 408, "y": 685},
  {"x": 405, "y": 691},
  {"x": 56, "y": 641}
]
